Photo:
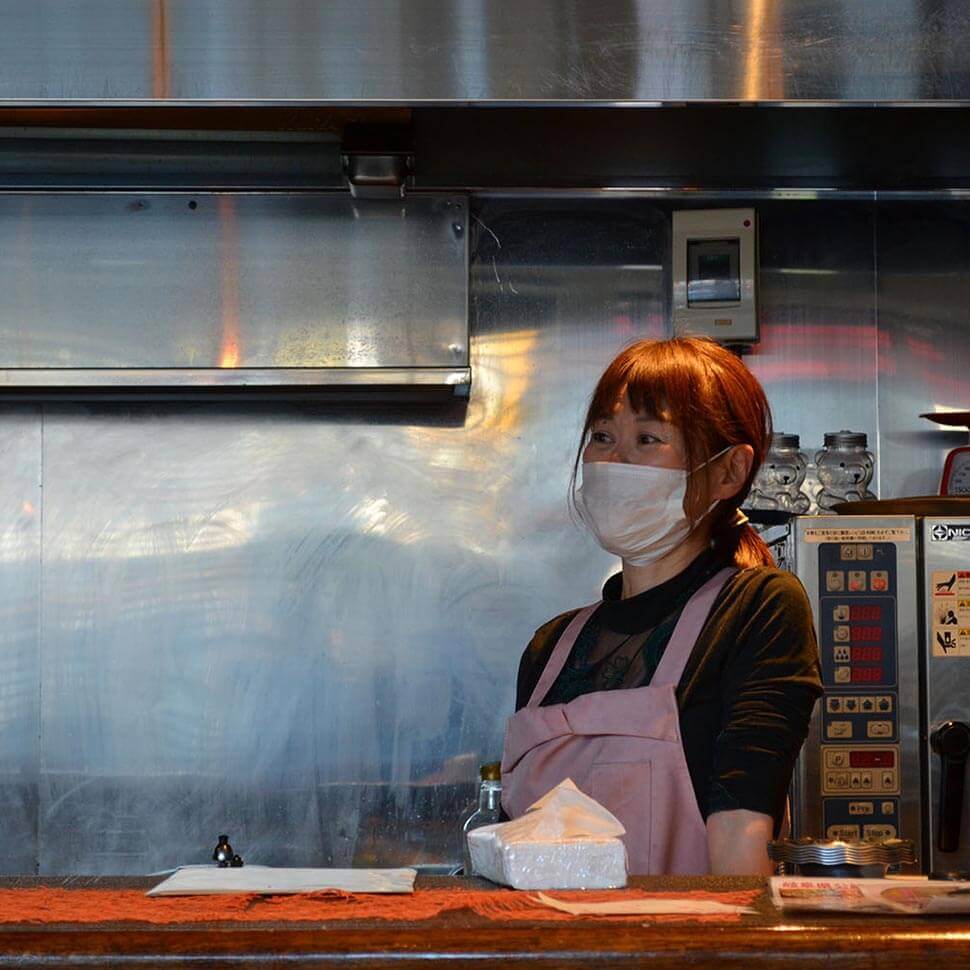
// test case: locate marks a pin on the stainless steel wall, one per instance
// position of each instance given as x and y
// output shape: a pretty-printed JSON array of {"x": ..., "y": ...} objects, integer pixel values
[
  {"x": 301, "y": 625},
  {"x": 21, "y": 508},
  {"x": 483, "y": 50}
]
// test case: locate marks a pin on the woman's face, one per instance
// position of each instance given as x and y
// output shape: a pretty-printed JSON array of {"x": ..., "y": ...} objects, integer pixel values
[
  {"x": 636, "y": 439},
  {"x": 642, "y": 439}
]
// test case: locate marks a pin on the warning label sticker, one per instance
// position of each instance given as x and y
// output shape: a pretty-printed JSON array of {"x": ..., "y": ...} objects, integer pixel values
[
  {"x": 950, "y": 613},
  {"x": 831, "y": 534}
]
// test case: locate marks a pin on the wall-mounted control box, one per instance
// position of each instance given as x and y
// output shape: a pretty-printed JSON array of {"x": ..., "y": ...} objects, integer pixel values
[{"x": 715, "y": 274}]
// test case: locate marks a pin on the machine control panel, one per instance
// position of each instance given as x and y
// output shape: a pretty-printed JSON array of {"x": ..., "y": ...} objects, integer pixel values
[{"x": 859, "y": 757}]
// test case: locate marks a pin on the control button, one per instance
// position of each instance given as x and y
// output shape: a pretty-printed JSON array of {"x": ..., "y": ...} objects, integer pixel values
[
  {"x": 834, "y": 581},
  {"x": 866, "y": 779},
  {"x": 833, "y": 705},
  {"x": 836, "y": 758},
  {"x": 841, "y": 614},
  {"x": 884, "y": 704},
  {"x": 888, "y": 780},
  {"x": 888, "y": 808},
  {"x": 861, "y": 808},
  {"x": 857, "y": 581},
  {"x": 863, "y": 551},
  {"x": 839, "y": 729},
  {"x": 879, "y": 580},
  {"x": 843, "y": 675},
  {"x": 842, "y": 832},
  {"x": 847, "y": 553},
  {"x": 835, "y": 781},
  {"x": 867, "y": 704},
  {"x": 855, "y": 780},
  {"x": 850, "y": 705},
  {"x": 842, "y": 634},
  {"x": 879, "y": 729},
  {"x": 879, "y": 831},
  {"x": 842, "y": 655}
]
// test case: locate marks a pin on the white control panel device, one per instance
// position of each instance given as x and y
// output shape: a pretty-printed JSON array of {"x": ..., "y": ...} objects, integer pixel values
[{"x": 715, "y": 274}]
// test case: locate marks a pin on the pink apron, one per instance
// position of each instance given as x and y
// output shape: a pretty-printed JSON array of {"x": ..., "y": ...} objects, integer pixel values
[{"x": 621, "y": 747}]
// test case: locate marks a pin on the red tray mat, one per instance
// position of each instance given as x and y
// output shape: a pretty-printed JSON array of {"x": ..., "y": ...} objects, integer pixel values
[{"x": 49, "y": 905}]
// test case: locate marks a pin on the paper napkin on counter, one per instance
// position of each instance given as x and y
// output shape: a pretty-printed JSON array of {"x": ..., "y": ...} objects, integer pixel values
[
  {"x": 645, "y": 907},
  {"x": 265, "y": 880},
  {"x": 566, "y": 840}
]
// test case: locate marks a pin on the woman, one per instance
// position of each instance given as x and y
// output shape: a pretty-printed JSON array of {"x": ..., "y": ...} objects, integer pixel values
[{"x": 680, "y": 701}]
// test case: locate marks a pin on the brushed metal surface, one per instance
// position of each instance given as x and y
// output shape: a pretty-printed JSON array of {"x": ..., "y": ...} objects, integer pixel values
[
  {"x": 947, "y": 693},
  {"x": 438, "y": 50},
  {"x": 818, "y": 358},
  {"x": 232, "y": 281},
  {"x": 20, "y": 634},
  {"x": 188, "y": 377},
  {"x": 923, "y": 293}
]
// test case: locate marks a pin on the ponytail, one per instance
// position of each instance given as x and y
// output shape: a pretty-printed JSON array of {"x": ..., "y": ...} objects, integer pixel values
[{"x": 734, "y": 538}]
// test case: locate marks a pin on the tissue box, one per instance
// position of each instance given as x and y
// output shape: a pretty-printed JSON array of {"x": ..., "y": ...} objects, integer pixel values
[
  {"x": 572, "y": 864},
  {"x": 565, "y": 840}
]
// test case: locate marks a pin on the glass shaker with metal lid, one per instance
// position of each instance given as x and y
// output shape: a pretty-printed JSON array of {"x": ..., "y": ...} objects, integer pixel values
[
  {"x": 778, "y": 483},
  {"x": 844, "y": 468}
]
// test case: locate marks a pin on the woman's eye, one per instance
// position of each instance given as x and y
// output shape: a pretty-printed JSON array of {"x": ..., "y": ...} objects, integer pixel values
[
  {"x": 648, "y": 439},
  {"x": 600, "y": 437}
]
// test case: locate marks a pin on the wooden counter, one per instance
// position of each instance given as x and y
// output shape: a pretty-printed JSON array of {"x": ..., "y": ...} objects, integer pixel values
[{"x": 763, "y": 940}]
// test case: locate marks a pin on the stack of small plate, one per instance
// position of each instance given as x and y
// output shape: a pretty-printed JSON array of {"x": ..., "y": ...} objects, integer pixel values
[{"x": 838, "y": 857}]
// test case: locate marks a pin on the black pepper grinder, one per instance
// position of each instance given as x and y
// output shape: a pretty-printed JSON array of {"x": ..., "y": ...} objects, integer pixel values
[{"x": 222, "y": 854}]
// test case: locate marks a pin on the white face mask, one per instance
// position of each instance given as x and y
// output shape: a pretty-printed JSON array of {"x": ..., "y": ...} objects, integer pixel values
[{"x": 636, "y": 511}]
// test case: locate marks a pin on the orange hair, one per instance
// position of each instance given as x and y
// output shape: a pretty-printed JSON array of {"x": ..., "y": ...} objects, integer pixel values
[{"x": 708, "y": 394}]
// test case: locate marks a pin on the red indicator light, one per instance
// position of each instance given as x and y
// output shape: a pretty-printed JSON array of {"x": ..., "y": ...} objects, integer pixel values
[
  {"x": 866, "y": 675},
  {"x": 872, "y": 759},
  {"x": 862, "y": 614},
  {"x": 867, "y": 654}
]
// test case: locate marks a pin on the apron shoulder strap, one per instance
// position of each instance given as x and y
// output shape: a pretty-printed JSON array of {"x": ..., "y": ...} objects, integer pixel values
[
  {"x": 560, "y": 654},
  {"x": 688, "y": 629}
]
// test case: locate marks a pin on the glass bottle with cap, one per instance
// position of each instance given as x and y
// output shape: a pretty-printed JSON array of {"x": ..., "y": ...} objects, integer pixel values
[
  {"x": 488, "y": 810},
  {"x": 845, "y": 469},
  {"x": 778, "y": 483}
]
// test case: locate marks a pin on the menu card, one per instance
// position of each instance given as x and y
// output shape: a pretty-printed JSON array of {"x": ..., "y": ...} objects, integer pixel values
[{"x": 906, "y": 897}]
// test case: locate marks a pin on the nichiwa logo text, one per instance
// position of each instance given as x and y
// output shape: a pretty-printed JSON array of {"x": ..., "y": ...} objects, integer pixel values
[{"x": 950, "y": 532}]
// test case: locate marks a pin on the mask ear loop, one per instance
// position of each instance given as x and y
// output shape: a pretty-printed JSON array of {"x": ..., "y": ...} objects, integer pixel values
[{"x": 734, "y": 523}]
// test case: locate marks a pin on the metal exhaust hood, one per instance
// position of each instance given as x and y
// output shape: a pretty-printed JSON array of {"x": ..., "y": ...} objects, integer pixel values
[{"x": 197, "y": 292}]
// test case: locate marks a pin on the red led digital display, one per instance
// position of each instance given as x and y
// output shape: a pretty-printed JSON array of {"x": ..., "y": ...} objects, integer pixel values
[
  {"x": 867, "y": 654},
  {"x": 866, "y": 634},
  {"x": 864, "y": 613},
  {"x": 866, "y": 675},
  {"x": 872, "y": 759}
]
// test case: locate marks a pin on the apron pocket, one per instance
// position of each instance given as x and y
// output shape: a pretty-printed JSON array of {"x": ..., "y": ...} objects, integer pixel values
[{"x": 625, "y": 788}]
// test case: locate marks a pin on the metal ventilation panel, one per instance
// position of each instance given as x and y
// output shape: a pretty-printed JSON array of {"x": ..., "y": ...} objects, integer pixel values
[{"x": 205, "y": 290}]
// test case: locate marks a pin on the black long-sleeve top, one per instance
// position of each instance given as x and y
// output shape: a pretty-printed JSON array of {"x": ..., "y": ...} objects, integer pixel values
[{"x": 746, "y": 694}]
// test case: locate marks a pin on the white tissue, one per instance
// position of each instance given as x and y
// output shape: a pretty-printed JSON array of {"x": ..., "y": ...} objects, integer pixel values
[{"x": 565, "y": 840}]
